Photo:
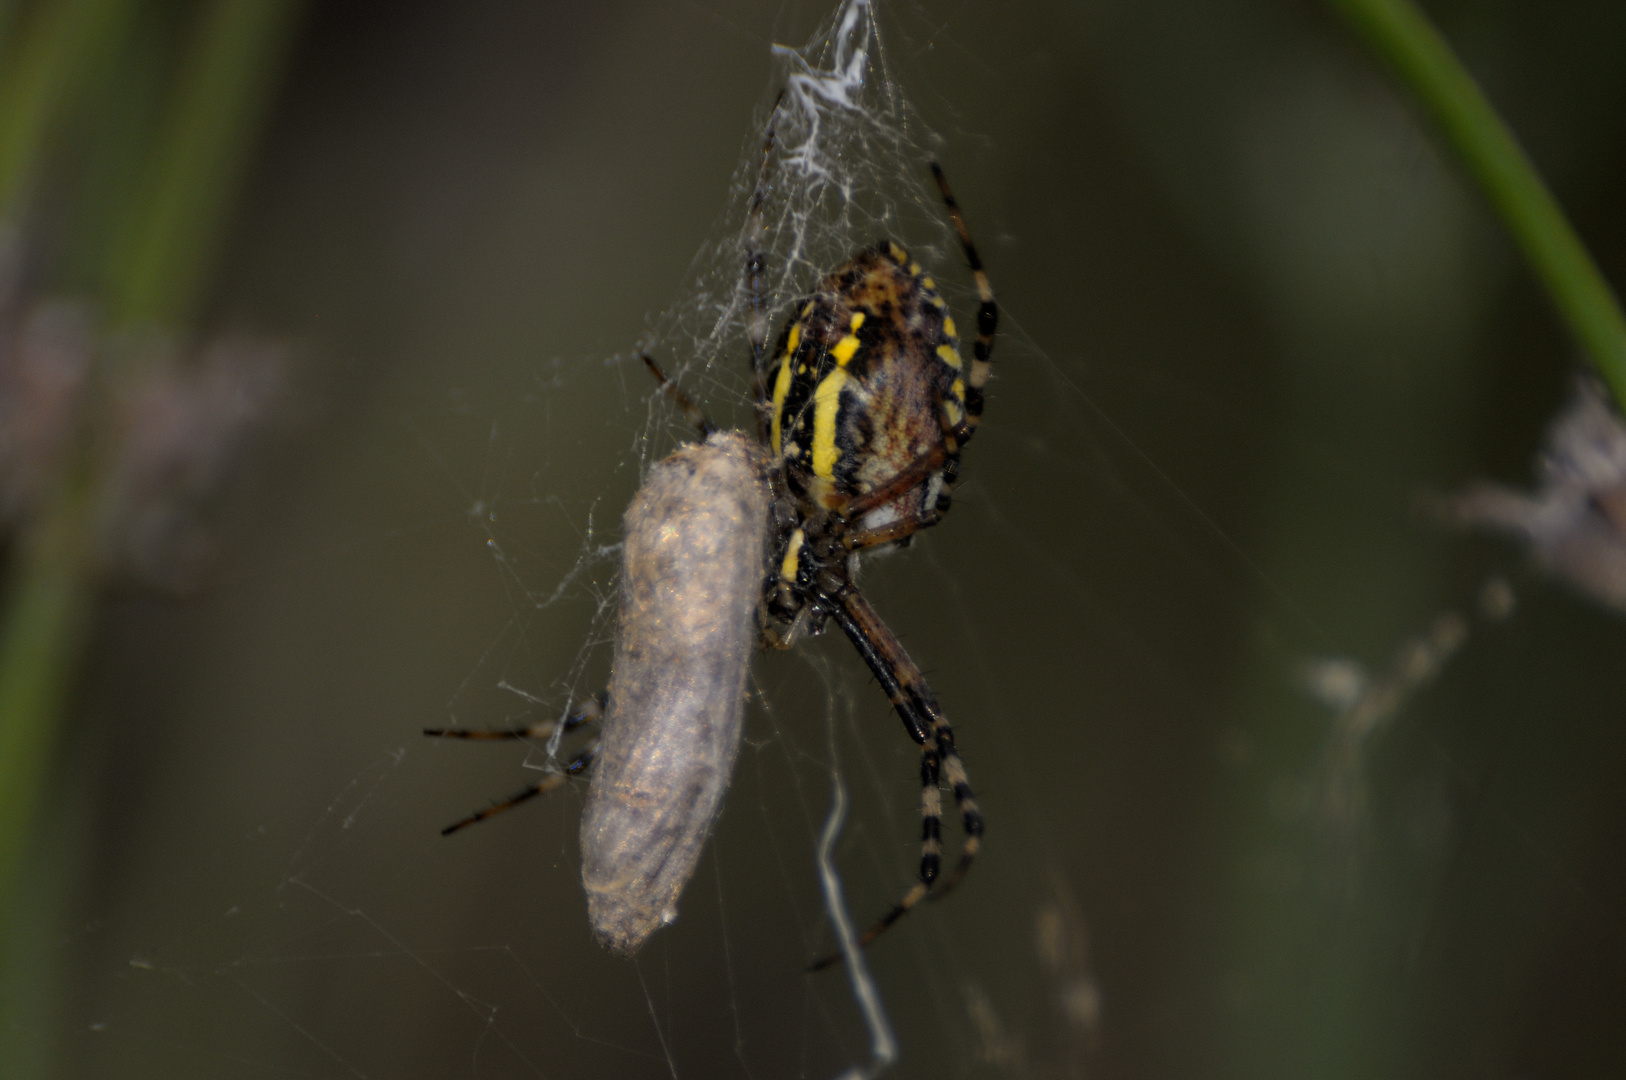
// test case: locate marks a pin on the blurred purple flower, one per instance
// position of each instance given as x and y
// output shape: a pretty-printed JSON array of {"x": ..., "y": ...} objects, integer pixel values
[
  {"x": 45, "y": 355},
  {"x": 153, "y": 430},
  {"x": 183, "y": 423}
]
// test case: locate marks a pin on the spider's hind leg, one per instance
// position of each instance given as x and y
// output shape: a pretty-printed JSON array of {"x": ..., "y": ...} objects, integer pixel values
[{"x": 939, "y": 759}]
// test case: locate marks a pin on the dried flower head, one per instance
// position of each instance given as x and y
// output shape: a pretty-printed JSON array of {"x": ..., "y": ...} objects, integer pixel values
[{"x": 1575, "y": 519}]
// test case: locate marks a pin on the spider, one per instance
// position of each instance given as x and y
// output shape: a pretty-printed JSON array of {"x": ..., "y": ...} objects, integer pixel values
[{"x": 864, "y": 405}]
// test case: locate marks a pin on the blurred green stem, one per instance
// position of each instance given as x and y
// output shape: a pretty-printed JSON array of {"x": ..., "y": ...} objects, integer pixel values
[
  {"x": 156, "y": 279},
  {"x": 53, "y": 58},
  {"x": 1403, "y": 36},
  {"x": 157, "y": 273},
  {"x": 47, "y": 610},
  {"x": 8, "y": 12}
]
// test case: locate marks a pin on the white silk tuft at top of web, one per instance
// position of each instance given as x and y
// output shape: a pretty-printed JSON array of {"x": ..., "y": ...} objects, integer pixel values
[{"x": 849, "y": 166}]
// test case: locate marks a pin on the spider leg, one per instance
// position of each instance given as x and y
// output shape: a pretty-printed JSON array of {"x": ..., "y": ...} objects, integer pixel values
[
  {"x": 591, "y": 710},
  {"x": 695, "y": 414},
  {"x": 987, "y": 311},
  {"x": 945, "y": 495},
  {"x": 902, "y": 529},
  {"x": 549, "y": 782},
  {"x": 939, "y": 759},
  {"x": 786, "y": 639},
  {"x": 756, "y": 318},
  {"x": 909, "y": 685},
  {"x": 906, "y": 480},
  {"x": 945, "y": 458}
]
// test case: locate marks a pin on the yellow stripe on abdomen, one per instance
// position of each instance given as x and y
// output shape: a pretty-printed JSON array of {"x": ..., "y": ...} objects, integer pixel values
[
  {"x": 826, "y": 407},
  {"x": 845, "y": 349},
  {"x": 781, "y": 387}
]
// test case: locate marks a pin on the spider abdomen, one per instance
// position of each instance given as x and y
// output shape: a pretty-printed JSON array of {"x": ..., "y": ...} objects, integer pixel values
[
  {"x": 867, "y": 380},
  {"x": 691, "y": 583}
]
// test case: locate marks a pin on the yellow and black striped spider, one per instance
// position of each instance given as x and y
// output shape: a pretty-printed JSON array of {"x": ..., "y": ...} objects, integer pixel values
[{"x": 865, "y": 405}]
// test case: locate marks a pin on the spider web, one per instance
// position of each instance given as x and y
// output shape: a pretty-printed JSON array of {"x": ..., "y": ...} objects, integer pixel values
[
  {"x": 848, "y": 164},
  {"x": 819, "y": 832},
  {"x": 1114, "y": 626}
]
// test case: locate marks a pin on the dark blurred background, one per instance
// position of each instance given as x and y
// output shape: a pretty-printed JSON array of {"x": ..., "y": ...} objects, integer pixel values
[{"x": 1254, "y": 316}]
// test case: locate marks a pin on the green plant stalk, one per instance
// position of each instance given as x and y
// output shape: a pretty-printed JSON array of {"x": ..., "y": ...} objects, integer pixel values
[
  {"x": 52, "y": 59},
  {"x": 8, "y": 15},
  {"x": 47, "y": 615},
  {"x": 56, "y": 573},
  {"x": 157, "y": 273},
  {"x": 1399, "y": 32}
]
